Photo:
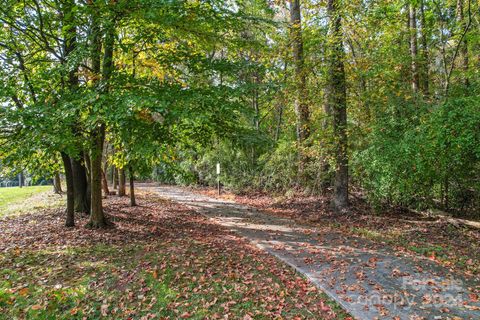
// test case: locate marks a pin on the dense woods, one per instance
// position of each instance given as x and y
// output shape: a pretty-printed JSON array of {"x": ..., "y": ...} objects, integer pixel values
[{"x": 379, "y": 99}]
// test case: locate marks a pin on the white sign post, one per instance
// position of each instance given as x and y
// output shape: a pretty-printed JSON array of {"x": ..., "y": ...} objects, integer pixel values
[{"x": 218, "y": 177}]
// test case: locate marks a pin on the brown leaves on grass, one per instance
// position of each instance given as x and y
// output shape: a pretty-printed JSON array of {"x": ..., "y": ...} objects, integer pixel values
[{"x": 161, "y": 261}]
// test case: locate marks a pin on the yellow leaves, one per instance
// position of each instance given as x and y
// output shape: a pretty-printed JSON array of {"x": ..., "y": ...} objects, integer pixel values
[{"x": 23, "y": 291}]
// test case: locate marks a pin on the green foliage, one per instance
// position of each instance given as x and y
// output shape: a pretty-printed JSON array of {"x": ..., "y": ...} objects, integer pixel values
[
  {"x": 280, "y": 168},
  {"x": 433, "y": 153},
  {"x": 194, "y": 83}
]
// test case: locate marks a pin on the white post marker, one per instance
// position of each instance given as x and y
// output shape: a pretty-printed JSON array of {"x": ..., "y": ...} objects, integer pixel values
[{"x": 218, "y": 177}]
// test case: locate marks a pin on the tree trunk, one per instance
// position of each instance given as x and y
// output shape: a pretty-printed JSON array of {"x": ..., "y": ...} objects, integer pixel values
[
  {"x": 115, "y": 178},
  {"x": 464, "y": 45},
  {"x": 57, "y": 184},
  {"x": 112, "y": 178},
  {"x": 106, "y": 192},
  {"x": 69, "y": 32},
  {"x": 325, "y": 176},
  {"x": 21, "y": 179},
  {"x": 425, "y": 65},
  {"x": 412, "y": 23},
  {"x": 80, "y": 181},
  {"x": 133, "y": 203},
  {"x": 121, "y": 182},
  {"x": 97, "y": 219},
  {"x": 338, "y": 103},
  {"x": 282, "y": 101},
  {"x": 301, "y": 108},
  {"x": 70, "y": 219},
  {"x": 88, "y": 173}
]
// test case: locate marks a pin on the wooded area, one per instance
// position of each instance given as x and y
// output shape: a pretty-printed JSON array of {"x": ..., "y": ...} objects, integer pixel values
[{"x": 379, "y": 99}]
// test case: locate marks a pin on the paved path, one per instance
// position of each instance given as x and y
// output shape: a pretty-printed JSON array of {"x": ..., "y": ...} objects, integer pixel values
[{"x": 368, "y": 280}]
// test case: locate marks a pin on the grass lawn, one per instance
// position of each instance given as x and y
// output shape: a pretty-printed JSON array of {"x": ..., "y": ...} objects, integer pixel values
[
  {"x": 17, "y": 200},
  {"x": 160, "y": 261}
]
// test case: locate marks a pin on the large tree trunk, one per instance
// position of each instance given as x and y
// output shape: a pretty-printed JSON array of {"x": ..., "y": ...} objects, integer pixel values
[
  {"x": 133, "y": 203},
  {"x": 412, "y": 23},
  {"x": 301, "y": 108},
  {"x": 80, "y": 181},
  {"x": 97, "y": 218},
  {"x": 70, "y": 220},
  {"x": 337, "y": 97},
  {"x": 121, "y": 182}
]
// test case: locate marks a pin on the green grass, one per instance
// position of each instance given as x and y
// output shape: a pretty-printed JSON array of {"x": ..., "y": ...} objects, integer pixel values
[
  {"x": 160, "y": 262},
  {"x": 89, "y": 283},
  {"x": 16, "y": 194},
  {"x": 17, "y": 200}
]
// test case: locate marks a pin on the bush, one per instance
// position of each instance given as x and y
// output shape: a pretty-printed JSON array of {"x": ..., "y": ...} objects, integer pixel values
[{"x": 428, "y": 159}]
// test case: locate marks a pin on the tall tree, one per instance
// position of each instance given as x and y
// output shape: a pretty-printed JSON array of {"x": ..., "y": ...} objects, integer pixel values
[
  {"x": 69, "y": 29},
  {"x": 337, "y": 100},
  {"x": 300, "y": 103},
  {"x": 412, "y": 24},
  {"x": 97, "y": 218}
]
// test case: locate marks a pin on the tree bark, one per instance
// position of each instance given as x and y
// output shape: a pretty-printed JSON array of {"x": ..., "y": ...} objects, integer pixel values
[
  {"x": 412, "y": 23},
  {"x": 425, "y": 65},
  {"x": 88, "y": 173},
  {"x": 337, "y": 99},
  {"x": 464, "y": 45},
  {"x": 70, "y": 219},
  {"x": 133, "y": 202},
  {"x": 302, "y": 112},
  {"x": 112, "y": 177},
  {"x": 21, "y": 179},
  {"x": 106, "y": 192},
  {"x": 80, "y": 181},
  {"x": 97, "y": 218},
  {"x": 57, "y": 184},
  {"x": 325, "y": 176},
  {"x": 121, "y": 182},
  {"x": 115, "y": 178}
]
